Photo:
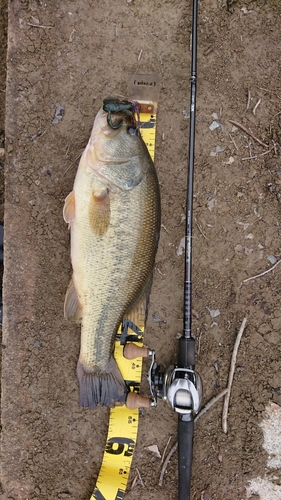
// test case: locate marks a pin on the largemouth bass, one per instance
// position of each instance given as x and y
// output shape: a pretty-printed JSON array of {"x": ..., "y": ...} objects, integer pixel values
[{"x": 114, "y": 217}]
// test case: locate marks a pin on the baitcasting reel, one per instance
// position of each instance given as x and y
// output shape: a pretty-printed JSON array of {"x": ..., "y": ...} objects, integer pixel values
[{"x": 181, "y": 388}]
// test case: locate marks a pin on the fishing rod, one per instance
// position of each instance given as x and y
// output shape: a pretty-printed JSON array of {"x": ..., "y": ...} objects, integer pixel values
[
  {"x": 186, "y": 356},
  {"x": 181, "y": 385}
]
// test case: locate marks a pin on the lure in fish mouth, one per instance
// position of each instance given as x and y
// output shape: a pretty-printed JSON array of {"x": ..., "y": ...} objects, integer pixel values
[
  {"x": 113, "y": 213},
  {"x": 114, "y": 106}
]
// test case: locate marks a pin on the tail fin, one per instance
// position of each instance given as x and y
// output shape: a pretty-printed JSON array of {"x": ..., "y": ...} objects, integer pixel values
[{"x": 98, "y": 387}]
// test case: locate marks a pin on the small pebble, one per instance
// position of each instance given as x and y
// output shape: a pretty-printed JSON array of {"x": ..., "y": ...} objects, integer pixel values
[
  {"x": 219, "y": 149},
  {"x": 154, "y": 449},
  {"x": 272, "y": 259},
  {"x": 181, "y": 247},
  {"x": 213, "y": 312},
  {"x": 248, "y": 251},
  {"x": 238, "y": 249},
  {"x": 157, "y": 318},
  {"x": 59, "y": 114},
  {"x": 214, "y": 125},
  {"x": 230, "y": 160}
]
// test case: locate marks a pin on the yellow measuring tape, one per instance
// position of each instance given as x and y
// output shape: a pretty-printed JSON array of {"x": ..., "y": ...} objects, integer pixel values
[{"x": 123, "y": 423}]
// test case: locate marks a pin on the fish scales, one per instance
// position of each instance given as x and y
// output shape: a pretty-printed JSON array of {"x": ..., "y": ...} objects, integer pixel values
[
  {"x": 119, "y": 270},
  {"x": 114, "y": 215}
]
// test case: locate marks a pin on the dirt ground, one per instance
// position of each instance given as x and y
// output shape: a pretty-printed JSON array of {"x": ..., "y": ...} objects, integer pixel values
[{"x": 76, "y": 53}]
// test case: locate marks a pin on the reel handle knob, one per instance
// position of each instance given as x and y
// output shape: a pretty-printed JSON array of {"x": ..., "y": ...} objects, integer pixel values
[
  {"x": 134, "y": 401},
  {"x": 132, "y": 351}
]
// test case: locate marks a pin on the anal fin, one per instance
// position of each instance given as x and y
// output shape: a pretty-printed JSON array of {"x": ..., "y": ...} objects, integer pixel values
[{"x": 72, "y": 307}]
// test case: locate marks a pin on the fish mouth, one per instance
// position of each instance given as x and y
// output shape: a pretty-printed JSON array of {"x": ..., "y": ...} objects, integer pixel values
[{"x": 119, "y": 111}]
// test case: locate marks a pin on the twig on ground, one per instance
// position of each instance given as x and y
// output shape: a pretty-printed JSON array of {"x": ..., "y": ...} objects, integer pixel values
[
  {"x": 255, "y": 108},
  {"x": 137, "y": 479},
  {"x": 232, "y": 140},
  {"x": 39, "y": 134},
  {"x": 140, "y": 479},
  {"x": 165, "y": 449},
  {"x": 231, "y": 374},
  {"x": 211, "y": 403},
  {"x": 250, "y": 158},
  {"x": 249, "y": 100},
  {"x": 172, "y": 451},
  {"x": 201, "y": 230},
  {"x": 208, "y": 50},
  {"x": 72, "y": 35},
  {"x": 266, "y": 152},
  {"x": 260, "y": 154},
  {"x": 72, "y": 163},
  {"x": 239, "y": 125},
  {"x": 274, "y": 147},
  {"x": 261, "y": 274},
  {"x": 199, "y": 343},
  {"x": 269, "y": 90},
  {"x": 39, "y": 26},
  {"x": 195, "y": 313},
  {"x": 165, "y": 229},
  {"x": 160, "y": 272}
]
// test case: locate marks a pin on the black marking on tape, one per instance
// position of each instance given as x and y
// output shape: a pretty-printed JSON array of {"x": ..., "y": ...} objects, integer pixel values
[
  {"x": 150, "y": 124},
  {"x": 137, "y": 335},
  {"x": 98, "y": 495},
  {"x": 125, "y": 446},
  {"x": 120, "y": 494},
  {"x": 131, "y": 419},
  {"x": 133, "y": 386}
]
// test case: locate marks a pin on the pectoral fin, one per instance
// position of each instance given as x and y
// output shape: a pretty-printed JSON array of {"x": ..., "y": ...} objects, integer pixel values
[
  {"x": 72, "y": 307},
  {"x": 69, "y": 208},
  {"x": 99, "y": 212}
]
